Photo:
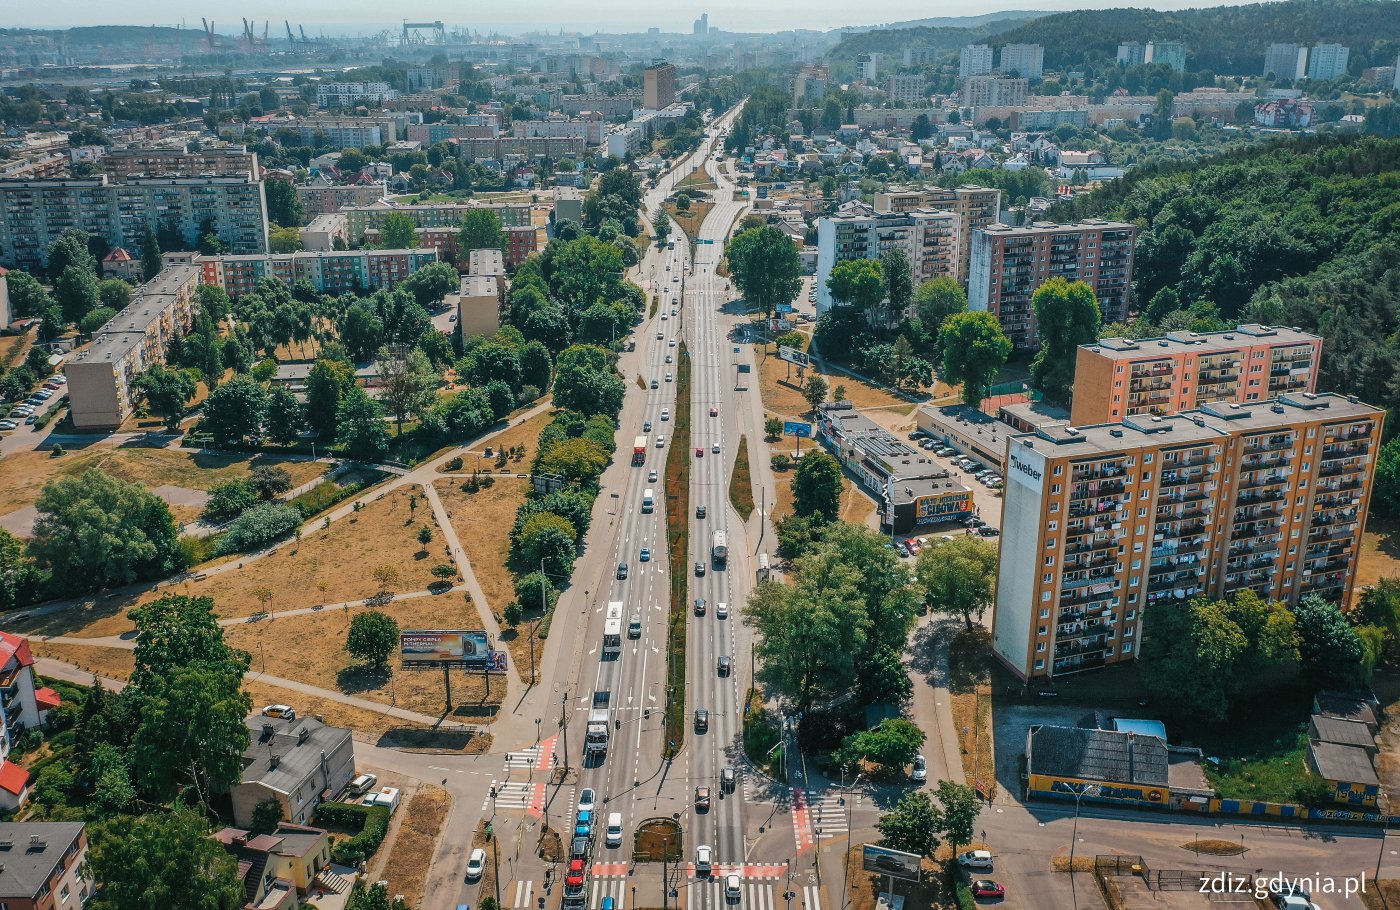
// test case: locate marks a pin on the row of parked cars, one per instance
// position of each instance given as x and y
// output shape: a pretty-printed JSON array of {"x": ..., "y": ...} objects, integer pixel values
[{"x": 27, "y": 410}]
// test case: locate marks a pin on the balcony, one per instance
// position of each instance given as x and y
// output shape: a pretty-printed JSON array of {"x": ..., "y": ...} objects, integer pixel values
[
  {"x": 1078, "y": 664},
  {"x": 1093, "y": 546},
  {"x": 1272, "y": 444},
  {"x": 1268, "y": 480},
  {"x": 1080, "y": 646}
]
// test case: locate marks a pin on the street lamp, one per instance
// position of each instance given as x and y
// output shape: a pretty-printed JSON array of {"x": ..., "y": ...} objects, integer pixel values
[
  {"x": 1382, "y": 801},
  {"x": 1079, "y": 794}
]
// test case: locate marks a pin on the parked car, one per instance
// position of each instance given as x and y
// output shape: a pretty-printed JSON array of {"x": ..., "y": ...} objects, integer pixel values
[
  {"x": 920, "y": 772},
  {"x": 476, "y": 864},
  {"x": 985, "y": 887},
  {"x": 988, "y": 531},
  {"x": 900, "y": 548},
  {"x": 980, "y": 860},
  {"x": 284, "y": 711}
]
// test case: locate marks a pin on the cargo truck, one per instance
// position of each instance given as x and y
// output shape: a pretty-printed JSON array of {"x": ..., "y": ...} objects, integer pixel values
[
  {"x": 595, "y": 736},
  {"x": 639, "y": 450},
  {"x": 719, "y": 551}
]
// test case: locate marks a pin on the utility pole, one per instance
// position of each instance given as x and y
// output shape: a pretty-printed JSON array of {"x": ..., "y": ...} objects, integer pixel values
[{"x": 564, "y": 724}]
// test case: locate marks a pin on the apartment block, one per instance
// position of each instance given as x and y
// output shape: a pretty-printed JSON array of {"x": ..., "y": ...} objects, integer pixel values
[
  {"x": 34, "y": 212},
  {"x": 568, "y": 204},
  {"x": 809, "y": 85},
  {"x": 1167, "y": 53},
  {"x": 447, "y": 215},
  {"x": 42, "y": 866},
  {"x": 1120, "y": 377},
  {"x": 868, "y": 68},
  {"x": 1286, "y": 61},
  {"x": 659, "y": 86},
  {"x": 121, "y": 165},
  {"x": 975, "y": 60},
  {"x": 326, "y": 199},
  {"x": 298, "y": 762},
  {"x": 339, "y": 272},
  {"x": 347, "y": 132},
  {"x": 433, "y": 133},
  {"x": 479, "y": 302},
  {"x": 589, "y": 129},
  {"x": 1132, "y": 53},
  {"x": 101, "y": 377},
  {"x": 929, "y": 238},
  {"x": 1007, "y": 264},
  {"x": 994, "y": 91},
  {"x": 977, "y": 207},
  {"x": 1106, "y": 521},
  {"x": 349, "y": 94},
  {"x": 1328, "y": 61},
  {"x": 1026, "y": 60},
  {"x": 905, "y": 89}
]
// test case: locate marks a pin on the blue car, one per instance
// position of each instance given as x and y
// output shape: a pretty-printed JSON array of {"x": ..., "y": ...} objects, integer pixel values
[
  {"x": 646, "y": 554},
  {"x": 583, "y": 827}
]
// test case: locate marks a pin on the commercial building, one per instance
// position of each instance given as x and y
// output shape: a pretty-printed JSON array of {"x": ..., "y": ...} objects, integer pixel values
[
  {"x": 34, "y": 212},
  {"x": 1120, "y": 377},
  {"x": 659, "y": 86},
  {"x": 994, "y": 91},
  {"x": 1132, "y": 53},
  {"x": 1027, "y": 60},
  {"x": 101, "y": 377},
  {"x": 1167, "y": 53},
  {"x": 121, "y": 165},
  {"x": 1286, "y": 61},
  {"x": 977, "y": 207},
  {"x": 42, "y": 866},
  {"x": 975, "y": 60},
  {"x": 350, "y": 94},
  {"x": 1110, "y": 519},
  {"x": 928, "y": 238},
  {"x": 324, "y": 199},
  {"x": 278, "y": 868},
  {"x": 334, "y": 272},
  {"x": 296, "y": 762},
  {"x": 1328, "y": 61},
  {"x": 1007, "y": 264},
  {"x": 905, "y": 89}
]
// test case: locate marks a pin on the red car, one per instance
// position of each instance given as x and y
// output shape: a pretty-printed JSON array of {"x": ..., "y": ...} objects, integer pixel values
[
  {"x": 987, "y": 888},
  {"x": 574, "y": 877},
  {"x": 699, "y": 451}
]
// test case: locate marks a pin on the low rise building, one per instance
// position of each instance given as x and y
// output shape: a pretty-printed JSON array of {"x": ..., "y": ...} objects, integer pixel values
[
  {"x": 299, "y": 763},
  {"x": 335, "y": 272},
  {"x": 42, "y": 865},
  {"x": 323, "y": 232},
  {"x": 359, "y": 219},
  {"x": 279, "y": 868},
  {"x": 568, "y": 204},
  {"x": 1121, "y": 767},
  {"x": 324, "y": 199}
]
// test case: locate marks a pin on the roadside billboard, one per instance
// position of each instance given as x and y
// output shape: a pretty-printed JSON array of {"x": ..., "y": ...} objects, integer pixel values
[
  {"x": 894, "y": 863},
  {"x": 453, "y": 647},
  {"x": 796, "y": 428},
  {"x": 793, "y": 355}
]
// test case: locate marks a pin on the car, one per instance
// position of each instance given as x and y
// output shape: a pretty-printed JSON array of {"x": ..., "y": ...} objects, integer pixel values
[
  {"x": 980, "y": 860},
  {"x": 987, "y": 531},
  {"x": 699, "y": 451},
  {"x": 700, "y": 512},
  {"x": 586, "y": 799},
  {"x": 452, "y": 318},
  {"x": 699, "y": 606},
  {"x": 920, "y": 772},
  {"x": 914, "y": 545},
  {"x": 612, "y": 834},
  {"x": 651, "y": 476},
  {"x": 664, "y": 317},
  {"x": 665, "y": 413},
  {"x": 715, "y": 448},
  {"x": 32, "y": 418},
  {"x": 676, "y": 278},
  {"x": 900, "y": 548},
  {"x": 8, "y": 425},
  {"x": 578, "y": 848},
  {"x": 583, "y": 825},
  {"x": 703, "y": 859},
  {"x": 721, "y": 610},
  {"x": 985, "y": 887},
  {"x": 573, "y": 877},
  {"x": 1285, "y": 889},
  {"x": 945, "y": 452},
  {"x": 973, "y": 521},
  {"x": 634, "y": 626},
  {"x": 645, "y": 554},
  {"x": 655, "y": 384},
  {"x": 661, "y": 440},
  {"x": 699, "y": 570},
  {"x": 668, "y": 266},
  {"x": 476, "y": 864},
  {"x": 622, "y": 571},
  {"x": 731, "y": 887},
  {"x": 714, "y": 411},
  {"x": 727, "y": 779},
  {"x": 660, "y": 335},
  {"x": 670, "y": 359},
  {"x": 284, "y": 711},
  {"x": 646, "y": 426},
  {"x": 668, "y": 375},
  {"x": 724, "y": 665},
  {"x": 363, "y": 784},
  {"x": 673, "y": 309},
  {"x": 702, "y": 720},
  {"x": 702, "y": 799},
  {"x": 673, "y": 342}
]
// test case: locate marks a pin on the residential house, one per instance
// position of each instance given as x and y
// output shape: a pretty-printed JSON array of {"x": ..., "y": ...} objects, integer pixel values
[
  {"x": 41, "y": 866},
  {"x": 279, "y": 868},
  {"x": 298, "y": 762}
]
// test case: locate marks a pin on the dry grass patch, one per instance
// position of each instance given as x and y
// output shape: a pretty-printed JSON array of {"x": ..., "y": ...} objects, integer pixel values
[
  {"x": 970, "y": 688},
  {"x": 14, "y": 348},
  {"x": 1384, "y": 893},
  {"x": 865, "y": 886},
  {"x": 415, "y": 843},
  {"x": 1214, "y": 847},
  {"x": 781, "y": 389},
  {"x": 1380, "y": 552},
  {"x": 113, "y": 663},
  {"x": 691, "y": 219},
  {"x": 363, "y": 721},
  {"x": 526, "y": 434},
  {"x": 325, "y": 663}
]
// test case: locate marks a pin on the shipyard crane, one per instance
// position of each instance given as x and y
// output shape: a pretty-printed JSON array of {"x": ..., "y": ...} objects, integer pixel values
[{"x": 208, "y": 32}]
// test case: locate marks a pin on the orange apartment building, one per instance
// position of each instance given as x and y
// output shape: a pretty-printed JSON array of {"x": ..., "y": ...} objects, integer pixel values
[
  {"x": 1118, "y": 377},
  {"x": 1116, "y": 517}
]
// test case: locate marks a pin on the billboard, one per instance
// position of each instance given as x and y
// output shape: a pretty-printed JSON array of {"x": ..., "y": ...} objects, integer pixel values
[
  {"x": 793, "y": 355},
  {"x": 894, "y": 863},
  {"x": 943, "y": 506},
  {"x": 795, "y": 428},
  {"x": 459, "y": 647}
]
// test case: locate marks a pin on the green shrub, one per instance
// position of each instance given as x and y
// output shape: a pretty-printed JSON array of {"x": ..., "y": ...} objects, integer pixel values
[
  {"x": 257, "y": 527},
  {"x": 371, "y": 822}
]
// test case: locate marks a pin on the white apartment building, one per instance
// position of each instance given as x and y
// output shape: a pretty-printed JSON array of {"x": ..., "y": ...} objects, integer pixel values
[
  {"x": 1026, "y": 60},
  {"x": 868, "y": 67},
  {"x": 905, "y": 89},
  {"x": 931, "y": 240},
  {"x": 1328, "y": 61},
  {"x": 975, "y": 60},
  {"x": 349, "y": 94},
  {"x": 994, "y": 91}
]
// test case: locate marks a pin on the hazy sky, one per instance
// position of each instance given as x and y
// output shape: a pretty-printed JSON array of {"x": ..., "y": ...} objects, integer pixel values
[{"x": 593, "y": 15}]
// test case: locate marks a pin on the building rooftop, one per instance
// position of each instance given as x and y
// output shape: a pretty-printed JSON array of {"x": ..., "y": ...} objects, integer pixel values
[
  {"x": 480, "y": 286},
  {"x": 486, "y": 262},
  {"x": 1198, "y": 342},
  {"x": 1346, "y": 707},
  {"x": 1350, "y": 764},
  {"x": 128, "y": 329},
  {"x": 1034, "y": 413},
  {"x": 1098, "y": 755},
  {"x": 1043, "y": 227},
  {"x": 1343, "y": 732},
  {"x": 14, "y": 646},
  {"x": 283, "y": 753},
  {"x": 29, "y": 851}
]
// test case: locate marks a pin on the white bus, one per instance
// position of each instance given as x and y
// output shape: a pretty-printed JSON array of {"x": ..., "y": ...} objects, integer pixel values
[{"x": 612, "y": 629}]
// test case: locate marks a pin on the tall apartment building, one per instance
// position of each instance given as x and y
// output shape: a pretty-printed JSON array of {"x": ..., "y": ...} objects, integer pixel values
[
  {"x": 345, "y": 132},
  {"x": 34, "y": 212},
  {"x": 101, "y": 377},
  {"x": 975, "y": 60},
  {"x": 1286, "y": 61},
  {"x": 1167, "y": 53},
  {"x": 1110, "y": 519},
  {"x": 327, "y": 199},
  {"x": 994, "y": 91},
  {"x": 121, "y": 165},
  {"x": 1026, "y": 60},
  {"x": 977, "y": 207},
  {"x": 335, "y": 272},
  {"x": 659, "y": 86},
  {"x": 1328, "y": 61},
  {"x": 1008, "y": 264},
  {"x": 920, "y": 56},
  {"x": 1132, "y": 53},
  {"x": 906, "y": 88},
  {"x": 444, "y": 215},
  {"x": 868, "y": 68},
  {"x": 1119, "y": 377},
  {"x": 349, "y": 94},
  {"x": 928, "y": 238},
  {"x": 809, "y": 85}
]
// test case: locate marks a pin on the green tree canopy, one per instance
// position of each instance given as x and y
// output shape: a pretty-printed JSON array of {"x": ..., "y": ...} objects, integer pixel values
[
  {"x": 360, "y": 426},
  {"x": 959, "y": 576},
  {"x": 1330, "y": 652},
  {"x": 893, "y": 744},
  {"x": 236, "y": 410},
  {"x": 435, "y": 281},
  {"x": 766, "y": 267},
  {"x": 974, "y": 348},
  {"x": 398, "y": 232},
  {"x": 481, "y": 230},
  {"x": 327, "y": 384},
  {"x": 162, "y": 861},
  {"x": 912, "y": 825},
  {"x": 857, "y": 283},
  {"x": 373, "y": 636},
  {"x": 935, "y": 301},
  {"x": 167, "y": 391},
  {"x": 816, "y": 487},
  {"x": 286, "y": 416},
  {"x": 1066, "y": 316}
]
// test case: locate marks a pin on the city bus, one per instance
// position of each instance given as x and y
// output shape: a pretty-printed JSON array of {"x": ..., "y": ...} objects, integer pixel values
[{"x": 612, "y": 630}]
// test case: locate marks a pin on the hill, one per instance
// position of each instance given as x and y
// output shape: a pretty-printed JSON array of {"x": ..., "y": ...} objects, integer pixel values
[
  {"x": 959, "y": 21},
  {"x": 894, "y": 41}
]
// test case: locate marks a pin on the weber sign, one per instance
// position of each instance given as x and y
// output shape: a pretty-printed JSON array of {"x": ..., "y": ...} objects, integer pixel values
[{"x": 1026, "y": 466}]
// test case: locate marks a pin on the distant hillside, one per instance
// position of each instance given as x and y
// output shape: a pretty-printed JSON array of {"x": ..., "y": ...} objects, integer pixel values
[
  {"x": 1019, "y": 15},
  {"x": 894, "y": 41}
]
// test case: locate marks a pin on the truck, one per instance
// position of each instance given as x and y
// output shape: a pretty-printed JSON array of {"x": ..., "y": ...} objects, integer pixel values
[
  {"x": 595, "y": 736},
  {"x": 639, "y": 450},
  {"x": 719, "y": 549},
  {"x": 648, "y": 501}
]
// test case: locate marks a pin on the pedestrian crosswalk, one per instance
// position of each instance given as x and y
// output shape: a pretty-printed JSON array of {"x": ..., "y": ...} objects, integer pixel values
[
  {"x": 711, "y": 895},
  {"x": 817, "y": 816},
  {"x": 601, "y": 888},
  {"x": 513, "y": 794},
  {"x": 524, "y": 892},
  {"x": 539, "y": 757}
]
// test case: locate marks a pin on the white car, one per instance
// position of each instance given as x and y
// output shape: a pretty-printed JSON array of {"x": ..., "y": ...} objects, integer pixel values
[
  {"x": 665, "y": 413},
  {"x": 715, "y": 448},
  {"x": 476, "y": 864},
  {"x": 284, "y": 711},
  {"x": 920, "y": 772},
  {"x": 721, "y": 610},
  {"x": 8, "y": 425},
  {"x": 661, "y": 440},
  {"x": 668, "y": 377},
  {"x": 664, "y": 317},
  {"x": 731, "y": 887},
  {"x": 980, "y": 860},
  {"x": 586, "y": 800},
  {"x": 673, "y": 341},
  {"x": 703, "y": 859},
  {"x": 651, "y": 476}
]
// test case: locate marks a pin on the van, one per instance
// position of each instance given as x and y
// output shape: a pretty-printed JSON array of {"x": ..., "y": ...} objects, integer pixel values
[
  {"x": 614, "y": 835},
  {"x": 648, "y": 501},
  {"x": 363, "y": 784}
]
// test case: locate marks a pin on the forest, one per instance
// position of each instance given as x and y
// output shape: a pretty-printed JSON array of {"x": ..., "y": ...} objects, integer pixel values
[{"x": 1302, "y": 232}]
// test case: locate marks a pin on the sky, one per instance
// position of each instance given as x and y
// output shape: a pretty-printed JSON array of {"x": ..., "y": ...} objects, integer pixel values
[{"x": 588, "y": 16}]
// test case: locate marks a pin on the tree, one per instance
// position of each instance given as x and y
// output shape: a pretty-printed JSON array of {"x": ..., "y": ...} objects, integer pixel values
[
  {"x": 1378, "y": 605},
  {"x": 899, "y": 285},
  {"x": 815, "y": 391},
  {"x": 283, "y": 205},
  {"x": 935, "y": 301},
  {"x": 270, "y": 480},
  {"x": 328, "y": 382},
  {"x": 27, "y": 295},
  {"x": 535, "y": 365},
  {"x": 112, "y": 790},
  {"x": 192, "y": 731},
  {"x": 1067, "y": 315},
  {"x": 114, "y": 293},
  {"x": 1385, "y": 498},
  {"x": 773, "y": 427},
  {"x": 884, "y": 679},
  {"x": 535, "y": 592},
  {"x": 921, "y": 128},
  {"x": 584, "y": 381},
  {"x": 481, "y": 230},
  {"x": 77, "y": 292},
  {"x": 376, "y": 897},
  {"x": 167, "y": 392},
  {"x": 407, "y": 385},
  {"x": 424, "y": 535},
  {"x": 858, "y": 283},
  {"x": 579, "y": 461},
  {"x": 961, "y": 807},
  {"x": 548, "y": 541},
  {"x": 229, "y": 500},
  {"x": 766, "y": 267},
  {"x": 912, "y": 826},
  {"x": 175, "y": 631},
  {"x": 150, "y": 254},
  {"x": 1330, "y": 652},
  {"x": 266, "y": 816},
  {"x": 286, "y": 416},
  {"x": 816, "y": 488},
  {"x": 386, "y": 577},
  {"x": 19, "y": 577},
  {"x": 235, "y": 411},
  {"x": 959, "y": 576},
  {"x": 71, "y": 248},
  {"x": 373, "y": 636},
  {"x": 284, "y": 240},
  {"x": 95, "y": 531},
  {"x": 430, "y": 284},
  {"x": 360, "y": 426},
  {"x": 974, "y": 348},
  {"x": 893, "y": 744},
  {"x": 211, "y": 244},
  {"x": 1188, "y": 656},
  {"x": 162, "y": 860},
  {"x": 95, "y": 320},
  {"x": 398, "y": 232}
]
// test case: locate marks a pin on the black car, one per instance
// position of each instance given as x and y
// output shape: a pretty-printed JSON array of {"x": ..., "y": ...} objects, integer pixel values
[
  {"x": 578, "y": 849},
  {"x": 699, "y": 570},
  {"x": 702, "y": 720},
  {"x": 621, "y": 570},
  {"x": 725, "y": 665},
  {"x": 987, "y": 531},
  {"x": 699, "y": 511}
]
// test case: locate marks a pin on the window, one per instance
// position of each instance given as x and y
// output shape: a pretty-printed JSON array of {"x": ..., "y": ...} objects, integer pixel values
[
  {"x": 1039, "y": 665},
  {"x": 1048, "y": 577},
  {"x": 1127, "y": 647},
  {"x": 1040, "y": 646},
  {"x": 1044, "y": 630},
  {"x": 1044, "y": 596},
  {"x": 1137, "y": 563},
  {"x": 1050, "y": 560},
  {"x": 1044, "y": 614},
  {"x": 1059, "y": 469},
  {"x": 63, "y": 895}
]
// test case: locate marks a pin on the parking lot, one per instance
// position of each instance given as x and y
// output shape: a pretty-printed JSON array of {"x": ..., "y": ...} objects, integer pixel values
[{"x": 986, "y": 516}]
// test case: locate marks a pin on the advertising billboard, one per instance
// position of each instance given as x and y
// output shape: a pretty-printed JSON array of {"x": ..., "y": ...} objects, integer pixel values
[
  {"x": 796, "y": 428},
  {"x": 895, "y": 863},
  {"x": 457, "y": 647},
  {"x": 793, "y": 355},
  {"x": 943, "y": 506}
]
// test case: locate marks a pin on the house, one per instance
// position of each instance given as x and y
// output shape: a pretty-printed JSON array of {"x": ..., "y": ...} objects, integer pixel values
[
  {"x": 121, "y": 264},
  {"x": 298, "y": 762},
  {"x": 41, "y": 865},
  {"x": 279, "y": 868},
  {"x": 1016, "y": 163},
  {"x": 1072, "y": 159},
  {"x": 25, "y": 707}
]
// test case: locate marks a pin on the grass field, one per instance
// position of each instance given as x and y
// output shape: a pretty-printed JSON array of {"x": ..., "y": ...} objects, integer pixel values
[
  {"x": 741, "y": 481},
  {"x": 1262, "y": 748},
  {"x": 412, "y": 853},
  {"x": 13, "y": 348},
  {"x": 526, "y": 434},
  {"x": 691, "y": 219},
  {"x": 781, "y": 390}
]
